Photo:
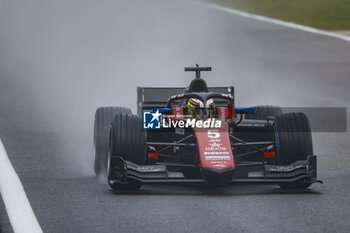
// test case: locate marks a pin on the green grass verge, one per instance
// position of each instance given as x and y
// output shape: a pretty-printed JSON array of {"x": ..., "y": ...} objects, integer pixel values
[{"x": 322, "y": 14}]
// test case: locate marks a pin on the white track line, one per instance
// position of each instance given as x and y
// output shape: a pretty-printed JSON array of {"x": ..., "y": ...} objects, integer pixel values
[
  {"x": 277, "y": 21},
  {"x": 18, "y": 209}
]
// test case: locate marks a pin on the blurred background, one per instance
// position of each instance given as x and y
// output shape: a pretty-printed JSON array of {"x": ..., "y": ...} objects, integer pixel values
[{"x": 332, "y": 15}]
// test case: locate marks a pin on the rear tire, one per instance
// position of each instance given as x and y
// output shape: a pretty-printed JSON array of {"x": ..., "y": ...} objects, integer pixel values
[
  {"x": 102, "y": 124},
  {"x": 294, "y": 143},
  {"x": 264, "y": 111},
  {"x": 128, "y": 140}
]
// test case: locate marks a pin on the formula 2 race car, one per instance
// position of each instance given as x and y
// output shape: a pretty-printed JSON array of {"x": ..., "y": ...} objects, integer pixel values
[{"x": 196, "y": 135}]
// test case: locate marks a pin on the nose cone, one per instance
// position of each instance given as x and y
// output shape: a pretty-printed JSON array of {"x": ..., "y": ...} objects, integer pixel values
[{"x": 218, "y": 175}]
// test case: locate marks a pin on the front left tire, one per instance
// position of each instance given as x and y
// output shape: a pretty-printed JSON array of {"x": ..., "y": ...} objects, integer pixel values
[{"x": 294, "y": 143}]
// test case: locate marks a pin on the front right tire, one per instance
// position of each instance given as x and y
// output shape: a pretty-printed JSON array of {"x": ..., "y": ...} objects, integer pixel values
[
  {"x": 102, "y": 124},
  {"x": 128, "y": 140}
]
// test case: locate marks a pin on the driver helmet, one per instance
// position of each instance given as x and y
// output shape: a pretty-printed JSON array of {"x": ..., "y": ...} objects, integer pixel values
[{"x": 195, "y": 107}]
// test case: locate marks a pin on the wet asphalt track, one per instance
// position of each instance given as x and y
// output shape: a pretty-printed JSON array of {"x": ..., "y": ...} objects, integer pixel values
[{"x": 59, "y": 61}]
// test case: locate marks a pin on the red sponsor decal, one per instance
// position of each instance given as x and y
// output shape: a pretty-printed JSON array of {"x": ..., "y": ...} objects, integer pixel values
[
  {"x": 225, "y": 113},
  {"x": 214, "y": 147},
  {"x": 176, "y": 114}
]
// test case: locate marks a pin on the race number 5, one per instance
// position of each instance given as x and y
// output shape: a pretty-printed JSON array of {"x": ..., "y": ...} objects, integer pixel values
[{"x": 213, "y": 134}]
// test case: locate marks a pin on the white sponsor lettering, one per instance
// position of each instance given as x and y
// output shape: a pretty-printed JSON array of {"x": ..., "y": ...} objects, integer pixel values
[
  {"x": 216, "y": 153},
  {"x": 219, "y": 165},
  {"x": 216, "y": 157},
  {"x": 215, "y": 140},
  {"x": 213, "y": 134}
]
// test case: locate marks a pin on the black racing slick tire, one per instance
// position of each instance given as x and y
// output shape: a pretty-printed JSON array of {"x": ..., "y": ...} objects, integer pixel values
[
  {"x": 264, "y": 111},
  {"x": 102, "y": 124},
  {"x": 294, "y": 143},
  {"x": 127, "y": 140}
]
